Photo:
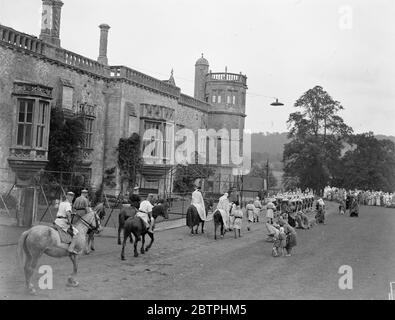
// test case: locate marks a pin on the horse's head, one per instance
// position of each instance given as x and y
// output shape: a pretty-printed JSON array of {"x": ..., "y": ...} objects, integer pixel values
[
  {"x": 162, "y": 208},
  {"x": 208, "y": 203},
  {"x": 92, "y": 221}
]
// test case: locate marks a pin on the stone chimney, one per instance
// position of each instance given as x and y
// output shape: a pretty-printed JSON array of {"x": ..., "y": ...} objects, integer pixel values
[
  {"x": 103, "y": 44},
  {"x": 50, "y": 23}
]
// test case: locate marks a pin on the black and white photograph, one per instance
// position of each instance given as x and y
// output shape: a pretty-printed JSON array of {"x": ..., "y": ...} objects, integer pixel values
[{"x": 197, "y": 150}]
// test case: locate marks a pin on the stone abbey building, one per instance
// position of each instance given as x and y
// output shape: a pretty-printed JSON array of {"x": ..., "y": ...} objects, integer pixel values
[{"x": 37, "y": 74}]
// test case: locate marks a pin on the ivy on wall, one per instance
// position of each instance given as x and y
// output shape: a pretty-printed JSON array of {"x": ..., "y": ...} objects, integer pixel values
[{"x": 129, "y": 158}]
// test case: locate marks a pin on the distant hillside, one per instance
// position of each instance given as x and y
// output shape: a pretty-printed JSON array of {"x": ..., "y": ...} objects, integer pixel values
[
  {"x": 383, "y": 137},
  {"x": 271, "y": 146},
  {"x": 268, "y": 146}
]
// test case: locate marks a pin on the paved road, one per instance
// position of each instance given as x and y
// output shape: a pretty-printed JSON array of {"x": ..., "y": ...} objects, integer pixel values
[{"x": 182, "y": 266}]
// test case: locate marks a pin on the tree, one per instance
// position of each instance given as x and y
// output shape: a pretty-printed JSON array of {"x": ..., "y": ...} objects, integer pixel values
[
  {"x": 316, "y": 135},
  {"x": 369, "y": 166},
  {"x": 129, "y": 158},
  {"x": 65, "y": 139},
  {"x": 185, "y": 176}
]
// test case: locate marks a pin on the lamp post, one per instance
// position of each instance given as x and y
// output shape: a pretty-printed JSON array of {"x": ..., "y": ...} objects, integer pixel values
[{"x": 267, "y": 177}]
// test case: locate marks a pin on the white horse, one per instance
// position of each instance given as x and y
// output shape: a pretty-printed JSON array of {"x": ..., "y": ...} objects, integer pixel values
[{"x": 44, "y": 239}]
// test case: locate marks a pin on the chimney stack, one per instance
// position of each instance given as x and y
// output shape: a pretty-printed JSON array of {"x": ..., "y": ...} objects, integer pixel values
[
  {"x": 50, "y": 22},
  {"x": 103, "y": 44}
]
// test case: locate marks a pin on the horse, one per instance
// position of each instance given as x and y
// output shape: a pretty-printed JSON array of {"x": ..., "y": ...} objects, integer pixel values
[
  {"x": 135, "y": 226},
  {"x": 125, "y": 214},
  {"x": 218, "y": 221},
  {"x": 130, "y": 212},
  {"x": 90, "y": 236},
  {"x": 45, "y": 239},
  {"x": 193, "y": 218}
]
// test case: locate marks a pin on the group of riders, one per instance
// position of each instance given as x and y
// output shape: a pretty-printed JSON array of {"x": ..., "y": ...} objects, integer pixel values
[{"x": 68, "y": 211}]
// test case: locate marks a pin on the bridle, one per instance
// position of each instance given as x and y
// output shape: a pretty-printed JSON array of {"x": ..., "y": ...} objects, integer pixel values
[{"x": 89, "y": 225}]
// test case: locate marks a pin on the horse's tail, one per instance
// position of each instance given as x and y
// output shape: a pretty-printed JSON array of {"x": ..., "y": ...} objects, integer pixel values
[
  {"x": 22, "y": 249},
  {"x": 217, "y": 217},
  {"x": 190, "y": 217}
]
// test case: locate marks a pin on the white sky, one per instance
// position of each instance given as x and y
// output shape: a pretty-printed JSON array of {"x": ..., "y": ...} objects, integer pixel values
[{"x": 285, "y": 47}]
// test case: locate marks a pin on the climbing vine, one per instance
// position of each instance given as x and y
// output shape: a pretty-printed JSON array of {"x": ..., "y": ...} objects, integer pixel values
[{"x": 129, "y": 158}]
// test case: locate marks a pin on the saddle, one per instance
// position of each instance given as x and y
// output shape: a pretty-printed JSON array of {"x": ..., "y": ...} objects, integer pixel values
[{"x": 65, "y": 237}]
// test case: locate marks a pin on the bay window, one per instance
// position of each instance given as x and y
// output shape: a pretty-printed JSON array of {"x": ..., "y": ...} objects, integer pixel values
[{"x": 32, "y": 123}]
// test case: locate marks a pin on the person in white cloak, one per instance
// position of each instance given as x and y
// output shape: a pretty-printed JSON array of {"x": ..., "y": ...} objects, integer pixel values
[
  {"x": 198, "y": 202},
  {"x": 145, "y": 212},
  {"x": 223, "y": 207}
]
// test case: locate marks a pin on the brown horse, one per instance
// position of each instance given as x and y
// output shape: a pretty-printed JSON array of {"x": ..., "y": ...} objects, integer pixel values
[
  {"x": 125, "y": 214},
  {"x": 136, "y": 226},
  {"x": 218, "y": 222},
  {"x": 40, "y": 239},
  {"x": 193, "y": 219},
  {"x": 130, "y": 212}
]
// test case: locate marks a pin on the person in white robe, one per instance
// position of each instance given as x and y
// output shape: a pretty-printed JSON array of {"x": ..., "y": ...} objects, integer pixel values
[
  {"x": 223, "y": 207},
  {"x": 198, "y": 202},
  {"x": 257, "y": 210}
]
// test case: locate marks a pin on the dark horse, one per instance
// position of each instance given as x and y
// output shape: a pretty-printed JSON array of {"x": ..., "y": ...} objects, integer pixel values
[
  {"x": 193, "y": 218},
  {"x": 130, "y": 212},
  {"x": 136, "y": 226},
  {"x": 218, "y": 221}
]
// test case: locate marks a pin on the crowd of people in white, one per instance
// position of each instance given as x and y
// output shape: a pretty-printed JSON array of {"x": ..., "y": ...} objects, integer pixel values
[{"x": 363, "y": 197}]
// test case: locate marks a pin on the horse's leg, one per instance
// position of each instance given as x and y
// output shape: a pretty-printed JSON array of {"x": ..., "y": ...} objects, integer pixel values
[
  {"x": 70, "y": 281},
  {"x": 119, "y": 234},
  {"x": 28, "y": 269},
  {"x": 137, "y": 239},
  {"x": 87, "y": 244},
  {"x": 142, "y": 244},
  {"x": 125, "y": 238},
  {"x": 222, "y": 230},
  {"x": 202, "y": 226},
  {"x": 93, "y": 242},
  {"x": 215, "y": 231},
  {"x": 151, "y": 235}
]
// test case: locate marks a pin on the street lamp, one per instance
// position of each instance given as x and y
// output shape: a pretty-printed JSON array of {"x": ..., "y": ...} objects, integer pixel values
[{"x": 277, "y": 103}]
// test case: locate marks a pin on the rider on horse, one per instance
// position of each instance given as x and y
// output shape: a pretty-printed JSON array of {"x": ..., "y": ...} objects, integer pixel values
[
  {"x": 223, "y": 207},
  {"x": 81, "y": 204},
  {"x": 63, "y": 220},
  {"x": 145, "y": 212},
  {"x": 198, "y": 202}
]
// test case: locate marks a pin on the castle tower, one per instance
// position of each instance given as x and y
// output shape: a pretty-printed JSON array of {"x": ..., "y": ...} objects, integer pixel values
[
  {"x": 226, "y": 92},
  {"x": 50, "y": 22},
  {"x": 201, "y": 71}
]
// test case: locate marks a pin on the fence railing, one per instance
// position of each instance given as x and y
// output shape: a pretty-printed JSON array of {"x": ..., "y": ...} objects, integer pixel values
[
  {"x": 16, "y": 39},
  {"x": 224, "y": 76}
]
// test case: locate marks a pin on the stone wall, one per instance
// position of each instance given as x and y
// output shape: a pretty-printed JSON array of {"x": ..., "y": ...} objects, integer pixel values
[{"x": 19, "y": 66}]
